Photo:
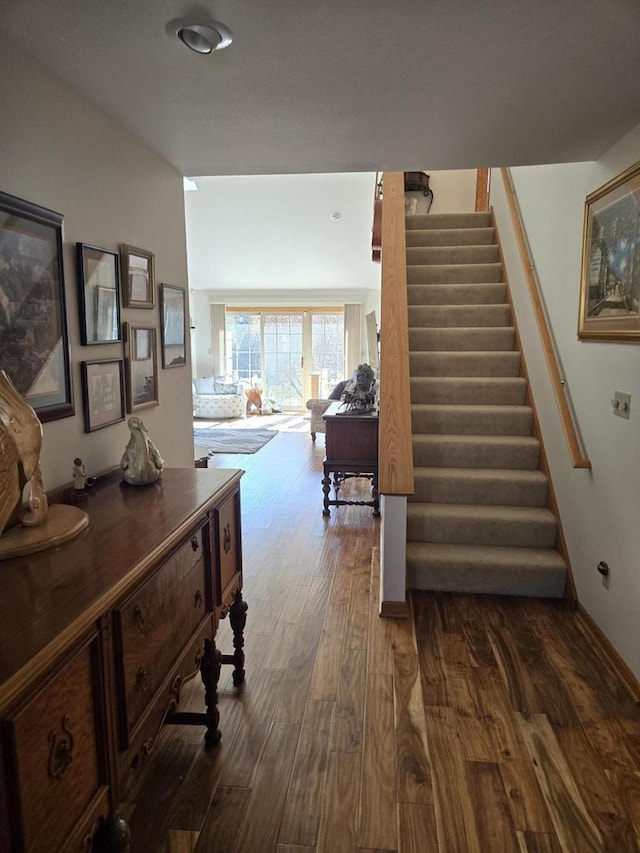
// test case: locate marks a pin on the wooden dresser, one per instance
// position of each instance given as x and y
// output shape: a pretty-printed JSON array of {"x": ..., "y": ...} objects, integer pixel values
[
  {"x": 351, "y": 443},
  {"x": 97, "y": 637}
]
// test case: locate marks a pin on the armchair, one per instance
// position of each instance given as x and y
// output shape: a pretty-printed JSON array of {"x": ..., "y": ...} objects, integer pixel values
[
  {"x": 219, "y": 398},
  {"x": 318, "y": 406}
]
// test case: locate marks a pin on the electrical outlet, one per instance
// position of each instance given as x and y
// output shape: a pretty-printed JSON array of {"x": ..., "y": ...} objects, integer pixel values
[{"x": 621, "y": 404}]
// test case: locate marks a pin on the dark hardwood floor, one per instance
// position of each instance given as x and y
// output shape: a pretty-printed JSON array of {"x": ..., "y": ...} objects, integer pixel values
[{"x": 481, "y": 724}]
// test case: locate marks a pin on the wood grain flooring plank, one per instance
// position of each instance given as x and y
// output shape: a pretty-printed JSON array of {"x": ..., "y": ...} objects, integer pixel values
[
  {"x": 348, "y": 717},
  {"x": 428, "y": 632},
  {"x": 377, "y": 811},
  {"x": 380, "y": 659},
  {"x": 357, "y": 628},
  {"x": 413, "y": 772},
  {"x": 573, "y": 824},
  {"x": 227, "y": 813},
  {"x": 516, "y": 677},
  {"x": 416, "y": 828},
  {"x": 182, "y": 841},
  {"x": 303, "y": 803},
  {"x": 626, "y": 785},
  {"x": 279, "y": 651},
  {"x": 538, "y": 842},
  {"x": 527, "y": 803},
  {"x": 587, "y": 768},
  {"x": 326, "y": 670},
  {"x": 473, "y": 629},
  {"x": 492, "y": 812},
  {"x": 339, "y": 822},
  {"x": 259, "y": 829},
  {"x": 619, "y": 835},
  {"x": 452, "y": 803}
]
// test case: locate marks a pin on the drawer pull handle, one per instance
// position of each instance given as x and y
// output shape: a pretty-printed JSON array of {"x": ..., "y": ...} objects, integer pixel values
[
  {"x": 226, "y": 542},
  {"x": 195, "y": 543},
  {"x": 138, "y": 617},
  {"x": 141, "y": 680},
  {"x": 61, "y": 752},
  {"x": 198, "y": 600}
]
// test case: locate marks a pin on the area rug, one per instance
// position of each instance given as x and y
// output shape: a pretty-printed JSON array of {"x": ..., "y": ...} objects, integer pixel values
[{"x": 218, "y": 440}]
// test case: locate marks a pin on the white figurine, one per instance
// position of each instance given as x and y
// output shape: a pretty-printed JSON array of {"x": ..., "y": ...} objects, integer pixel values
[{"x": 141, "y": 462}]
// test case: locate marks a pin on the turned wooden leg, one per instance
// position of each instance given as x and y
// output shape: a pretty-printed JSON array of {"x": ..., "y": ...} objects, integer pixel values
[
  {"x": 313, "y": 436},
  {"x": 238, "y": 619},
  {"x": 210, "y": 672},
  {"x": 374, "y": 494},
  {"x": 111, "y": 836},
  {"x": 326, "y": 488}
]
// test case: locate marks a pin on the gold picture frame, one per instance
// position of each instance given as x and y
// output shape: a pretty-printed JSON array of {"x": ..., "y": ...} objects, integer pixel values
[{"x": 610, "y": 276}]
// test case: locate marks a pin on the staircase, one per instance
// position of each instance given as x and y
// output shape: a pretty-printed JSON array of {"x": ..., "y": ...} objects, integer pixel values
[{"x": 478, "y": 521}]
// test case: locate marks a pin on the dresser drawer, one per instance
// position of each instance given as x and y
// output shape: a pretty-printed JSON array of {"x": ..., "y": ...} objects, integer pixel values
[
  {"x": 154, "y": 626},
  {"x": 55, "y": 746},
  {"x": 228, "y": 548}
]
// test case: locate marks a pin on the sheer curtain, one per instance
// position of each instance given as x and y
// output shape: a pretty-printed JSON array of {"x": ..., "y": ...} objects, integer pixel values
[
  {"x": 218, "y": 339},
  {"x": 352, "y": 337}
]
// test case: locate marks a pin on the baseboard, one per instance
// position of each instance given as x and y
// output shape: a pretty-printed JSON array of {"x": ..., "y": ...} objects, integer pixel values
[
  {"x": 395, "y": 610},
  {"x": 609, "y": 655}
]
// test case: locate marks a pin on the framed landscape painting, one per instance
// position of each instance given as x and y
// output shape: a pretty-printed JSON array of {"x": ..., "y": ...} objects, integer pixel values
[
  {"x": 141, "y": 366},
  {"x": 34, "y": 347},
  {"x": 98, "y": 299},
  {"x": 610, "y": 280},
  {"x": 172, "y": 325}
]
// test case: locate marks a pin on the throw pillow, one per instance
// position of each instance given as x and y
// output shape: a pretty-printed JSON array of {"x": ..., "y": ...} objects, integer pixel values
[
  {"x": 336, "y": 394},
  {"x": 225, "y": 385},
  {"x": 204, "y": 385}
]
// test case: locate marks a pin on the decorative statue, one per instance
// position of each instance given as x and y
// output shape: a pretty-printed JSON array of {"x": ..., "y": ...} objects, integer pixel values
[
  {"x": 359, "y": 393},
  {"x": 141, "y": 462},
  {"x": 20, "y": 445}
]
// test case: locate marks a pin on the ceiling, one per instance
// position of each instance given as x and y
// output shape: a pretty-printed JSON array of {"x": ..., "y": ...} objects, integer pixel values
[{"x": 351, "y": 85}]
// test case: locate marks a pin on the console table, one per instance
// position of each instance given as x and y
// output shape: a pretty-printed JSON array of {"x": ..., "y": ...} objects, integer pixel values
[
  {"x": 97, "y": 637},
  {"x": 351, "y": 442}
]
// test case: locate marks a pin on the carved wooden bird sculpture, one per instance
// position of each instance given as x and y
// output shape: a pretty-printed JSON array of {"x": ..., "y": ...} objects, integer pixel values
[{"x": 141, "y": 462}]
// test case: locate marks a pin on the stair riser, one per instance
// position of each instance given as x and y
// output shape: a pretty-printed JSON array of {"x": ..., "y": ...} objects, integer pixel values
[
  {"x": 454, "y": 273},
  {"x": 485, "y": 492},
  {"x": 443, "y": 421},
  {"x": 455, "y": 316},
  {"x": 468, "y": 392},
  {"x": 460, "y": 340},
  {"x": 504, "y": 533},
  {"x": 464, "y": 364},
  {"x": 453, "y": 255},
  {"x": 456, "y": 294},
  {"x": 450, "y": 237},
  {"x": 450, "y": 454},
  {"x": 487, "y": 580},
  {"x": 440, "y": 221}
]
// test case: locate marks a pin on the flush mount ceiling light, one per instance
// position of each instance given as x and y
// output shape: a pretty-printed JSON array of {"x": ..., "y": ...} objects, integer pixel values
[
  {"x": 336, "y": 216},
  {"x": 201, "y": 36}
]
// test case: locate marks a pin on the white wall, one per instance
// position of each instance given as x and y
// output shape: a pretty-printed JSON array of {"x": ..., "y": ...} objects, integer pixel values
[
  {"x": 59, "y": 151},
  {"x": 454, "y": 191},
  {"x": 600, "y": 509}
]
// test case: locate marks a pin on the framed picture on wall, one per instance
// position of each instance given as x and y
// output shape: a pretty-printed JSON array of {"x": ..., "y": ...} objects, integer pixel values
[
  {"x": 102, "y": 393},
  {"x": 610, "y": 280},
  {"x": 98, "y": 298},
  {"x": 172, "y": 325},
  {"x": 141, "y": 366},
  {"x": 34, "y": 346},
  {"x": 138, "y": 278}
]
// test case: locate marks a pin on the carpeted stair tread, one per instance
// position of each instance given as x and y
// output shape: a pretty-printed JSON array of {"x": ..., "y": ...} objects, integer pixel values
[
  {"x": 444, "y": 419},
  {"x": 468, "y": 390},
  {"x": 453, "y": 273},
  {"x": 486, "y": 569},
  {"x": 483, "y": 293},
  {"x": 461, "y": 339},
  {"x": 476, "y": 451},
  {"x": 475, "y": 524},
  {"x": 440, "y": 221},
  {"x": 481, "y": 254},
  {"x": 482, "y": 236},
  {"x": 480, "y": 485},
  {"x": 449, "y": 316},
  {"x": 473, "y": 363}
]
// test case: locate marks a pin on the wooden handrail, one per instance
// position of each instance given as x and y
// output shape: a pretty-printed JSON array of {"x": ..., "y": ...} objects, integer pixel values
[
  {"x": 578, "y": 458},
  {"x": 395, "y": 465}
]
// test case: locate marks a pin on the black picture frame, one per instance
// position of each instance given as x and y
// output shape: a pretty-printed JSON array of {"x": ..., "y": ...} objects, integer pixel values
[
  {"x": 102, "y": 393},
  {"x": 141, "y": 367},
  {"x": 98, "y": 295},
  {"x": 138, "y": 277},
  {"x": 173, "y": 325},
  {"x": 34, "y": 342}
]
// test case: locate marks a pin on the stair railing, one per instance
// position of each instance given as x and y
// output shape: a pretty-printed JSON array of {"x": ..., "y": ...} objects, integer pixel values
[
  {"x": 395, "y": 463},
  {"x": 567, "y": 416}
]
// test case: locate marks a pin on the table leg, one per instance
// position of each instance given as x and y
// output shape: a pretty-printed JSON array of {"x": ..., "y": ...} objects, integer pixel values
[
  {"x": 210, "y": 672},
  {"x": 238, "y": 619},
  {"x": 326, "y": 488}
]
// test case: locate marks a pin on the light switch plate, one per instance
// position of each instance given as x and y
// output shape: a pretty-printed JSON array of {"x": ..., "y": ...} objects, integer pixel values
[{"x": 621, "y": 404}]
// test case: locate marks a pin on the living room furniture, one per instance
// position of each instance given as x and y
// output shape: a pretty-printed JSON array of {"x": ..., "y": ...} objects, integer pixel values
[
  {"x": 351, "y": 442},
  {"x": 217, "y": 398},
  {"x": 97, "y": 638},
  {"x": 318, "y": 406}
]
